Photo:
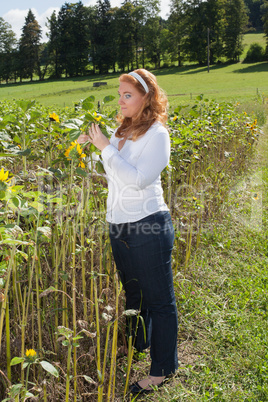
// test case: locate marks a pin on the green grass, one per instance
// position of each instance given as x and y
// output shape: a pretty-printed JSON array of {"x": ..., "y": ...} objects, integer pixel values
[
  {"x": 64, "y": 92},
  {"x": 250, "y": 38},
  {"x": 234, "y": 82}
]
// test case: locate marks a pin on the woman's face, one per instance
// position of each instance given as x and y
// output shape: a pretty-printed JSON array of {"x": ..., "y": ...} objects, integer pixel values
[{"x": 130, "y": 99}]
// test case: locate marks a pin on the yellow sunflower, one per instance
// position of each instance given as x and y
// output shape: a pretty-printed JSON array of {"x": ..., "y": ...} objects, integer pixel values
[{"x": 54, "y": 117}]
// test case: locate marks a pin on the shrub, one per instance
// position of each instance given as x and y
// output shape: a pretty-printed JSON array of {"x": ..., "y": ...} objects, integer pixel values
[{"x": 255, "y": 53}]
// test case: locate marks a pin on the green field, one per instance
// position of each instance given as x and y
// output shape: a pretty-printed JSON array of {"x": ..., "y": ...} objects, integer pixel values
[
  {"x": 250, "y": 38},
  {"x": 234, "y": 81},
  {"x": 237, "y": 82}
]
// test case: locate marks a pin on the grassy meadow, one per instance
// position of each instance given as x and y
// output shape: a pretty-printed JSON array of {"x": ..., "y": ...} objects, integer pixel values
[
  {"x": 250, "y": 38},
  {"x": 234, "y": 82},
  {"x": 62, "y": 312}
]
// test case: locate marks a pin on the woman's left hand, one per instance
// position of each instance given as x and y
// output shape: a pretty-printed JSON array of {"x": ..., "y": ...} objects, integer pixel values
[{"x": 97, "y": 138}]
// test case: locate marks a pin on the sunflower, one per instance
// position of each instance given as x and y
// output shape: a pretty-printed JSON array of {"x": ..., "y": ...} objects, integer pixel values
[
  {"x": 31, "y": 355},
  {"x": 77, "y": 153},
  {"x": 96, "y": 116},
  {"x": 4, "y": 175},
  {"x": 54, "y": 117}
]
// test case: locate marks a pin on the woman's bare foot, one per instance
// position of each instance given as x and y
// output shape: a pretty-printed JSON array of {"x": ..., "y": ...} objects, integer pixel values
[{"x": 147, "y": 383}]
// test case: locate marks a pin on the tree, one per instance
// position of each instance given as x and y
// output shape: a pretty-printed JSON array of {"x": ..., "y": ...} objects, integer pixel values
[
  {"x": 195, "y": 43},
  {"x": 7, "y": 37},
  {"x": 7, "y": 47},
  {"x": 166, "y": 47},
  {"x": 103, "y": 38},
  {"x": 125, "y": 34},
  {"x": 254, "y": 14},
  {"x": 215, "y": 13},
  {"x": 177, "y": 27},
  {"x": 139, "y": 21},
  {"x": 53, "y": 44},
  {"x": 69, "y": 39},
  {"x": 265, "y": 23},
  {"x": 236, "y": 20},
  {"x": 81, "y": 30},
  {"x": 29, "y": 47},
  {"x": 44, "y": 60},
  {"x": 148, "y": 10},
  {"x": 152, "y": 41}
]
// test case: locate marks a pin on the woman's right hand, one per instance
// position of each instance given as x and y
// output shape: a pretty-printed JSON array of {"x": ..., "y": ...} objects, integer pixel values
[{"x": 83, "y": 138}]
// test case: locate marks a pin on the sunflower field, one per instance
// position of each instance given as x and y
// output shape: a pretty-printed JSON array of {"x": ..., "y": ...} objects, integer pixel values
[{"x": 61, "y": 303}]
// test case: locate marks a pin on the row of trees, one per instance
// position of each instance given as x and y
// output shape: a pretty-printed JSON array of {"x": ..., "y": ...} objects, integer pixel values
[{"x": 100, "y": 38}]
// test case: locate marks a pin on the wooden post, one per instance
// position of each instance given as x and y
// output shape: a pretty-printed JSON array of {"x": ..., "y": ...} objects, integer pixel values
[{"x": 208, "y": 50}]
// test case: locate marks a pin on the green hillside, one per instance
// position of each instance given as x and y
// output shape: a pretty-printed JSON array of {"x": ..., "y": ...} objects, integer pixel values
[{"x": 224, "y": 81}]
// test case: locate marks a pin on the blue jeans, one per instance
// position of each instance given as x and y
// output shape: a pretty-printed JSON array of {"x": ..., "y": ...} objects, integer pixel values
[{"x": 142, "y": 253}]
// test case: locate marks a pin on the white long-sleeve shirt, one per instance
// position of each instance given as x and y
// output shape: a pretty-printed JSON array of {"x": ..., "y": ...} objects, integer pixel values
[{"x": 133, "y": 175}]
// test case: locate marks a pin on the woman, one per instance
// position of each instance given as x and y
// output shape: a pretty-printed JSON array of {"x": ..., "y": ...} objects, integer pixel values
[{"x": 141, "y": 230}]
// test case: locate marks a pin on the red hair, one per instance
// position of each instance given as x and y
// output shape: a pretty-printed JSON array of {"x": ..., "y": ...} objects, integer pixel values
[{"x": 154, "y": 107}]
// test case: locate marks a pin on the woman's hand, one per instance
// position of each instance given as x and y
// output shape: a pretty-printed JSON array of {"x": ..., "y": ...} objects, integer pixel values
[
  {"x": 96, "y": 137},
  {"x": 83, "y": 138}
]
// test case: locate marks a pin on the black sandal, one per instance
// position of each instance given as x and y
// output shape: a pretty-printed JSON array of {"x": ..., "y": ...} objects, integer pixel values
[{"x": 137, "y": 389}]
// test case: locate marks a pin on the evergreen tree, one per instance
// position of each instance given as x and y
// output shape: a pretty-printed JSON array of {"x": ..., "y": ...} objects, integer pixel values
[
  {"x": 7, "y": 48},
  {"x": 196, "y": 31},
  {"x": 29, "y": 47},
  {"x": 70, "y": 40},
  {"x": 265, "y": 24},
  {"x": 92, "y": 23},
  {"x": 53, "y": 44},
  {"x": 139, "y": 21},
  {"x": 254, "y": 14},
  {"x": 236, "y": 20},
  {"x": 44, "y": 60},
  {"x": 65, "y": 41},
  {"x": 125, "y": 34},
  {"x": 177, "y": 27},
  {"x": 114, "y": 39},
  {"x": 147, "y": 39},
  {"x": 103, "y": 37},
  {"x": 81, "y": 29}
]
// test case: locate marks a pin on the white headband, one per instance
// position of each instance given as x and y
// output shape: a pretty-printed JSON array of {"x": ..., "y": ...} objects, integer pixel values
[{"x": 141, "y": 80}]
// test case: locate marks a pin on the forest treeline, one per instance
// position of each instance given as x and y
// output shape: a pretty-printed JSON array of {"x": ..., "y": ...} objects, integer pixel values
[{"x": 98, "y": 39}]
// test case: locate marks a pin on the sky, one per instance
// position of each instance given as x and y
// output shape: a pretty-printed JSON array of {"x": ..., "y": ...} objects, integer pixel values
[{"x": 15, "y": 11}]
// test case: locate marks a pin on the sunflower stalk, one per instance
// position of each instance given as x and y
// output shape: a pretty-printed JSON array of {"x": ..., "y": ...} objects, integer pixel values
[
  {"x": 8, "y": 351},
  {"x": 24, "y": 146},
  {"x": 68, "y": 374},
  {"x": 74, "y": 309},
  {"x": 98, "y": 337},
  {"x": 55, "y": 269},
  {"x": 82, "y": 235},
  {"x": 23, "y": 325},
  {"x": 129, "y": 362},
  {"x": 39, "y": 323},
  {"x": 4, "y": 303},
  {"x": 100, "y": 389},
  {"x": 111, "y": 387},
  {"x": 64, "y": 287}
]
